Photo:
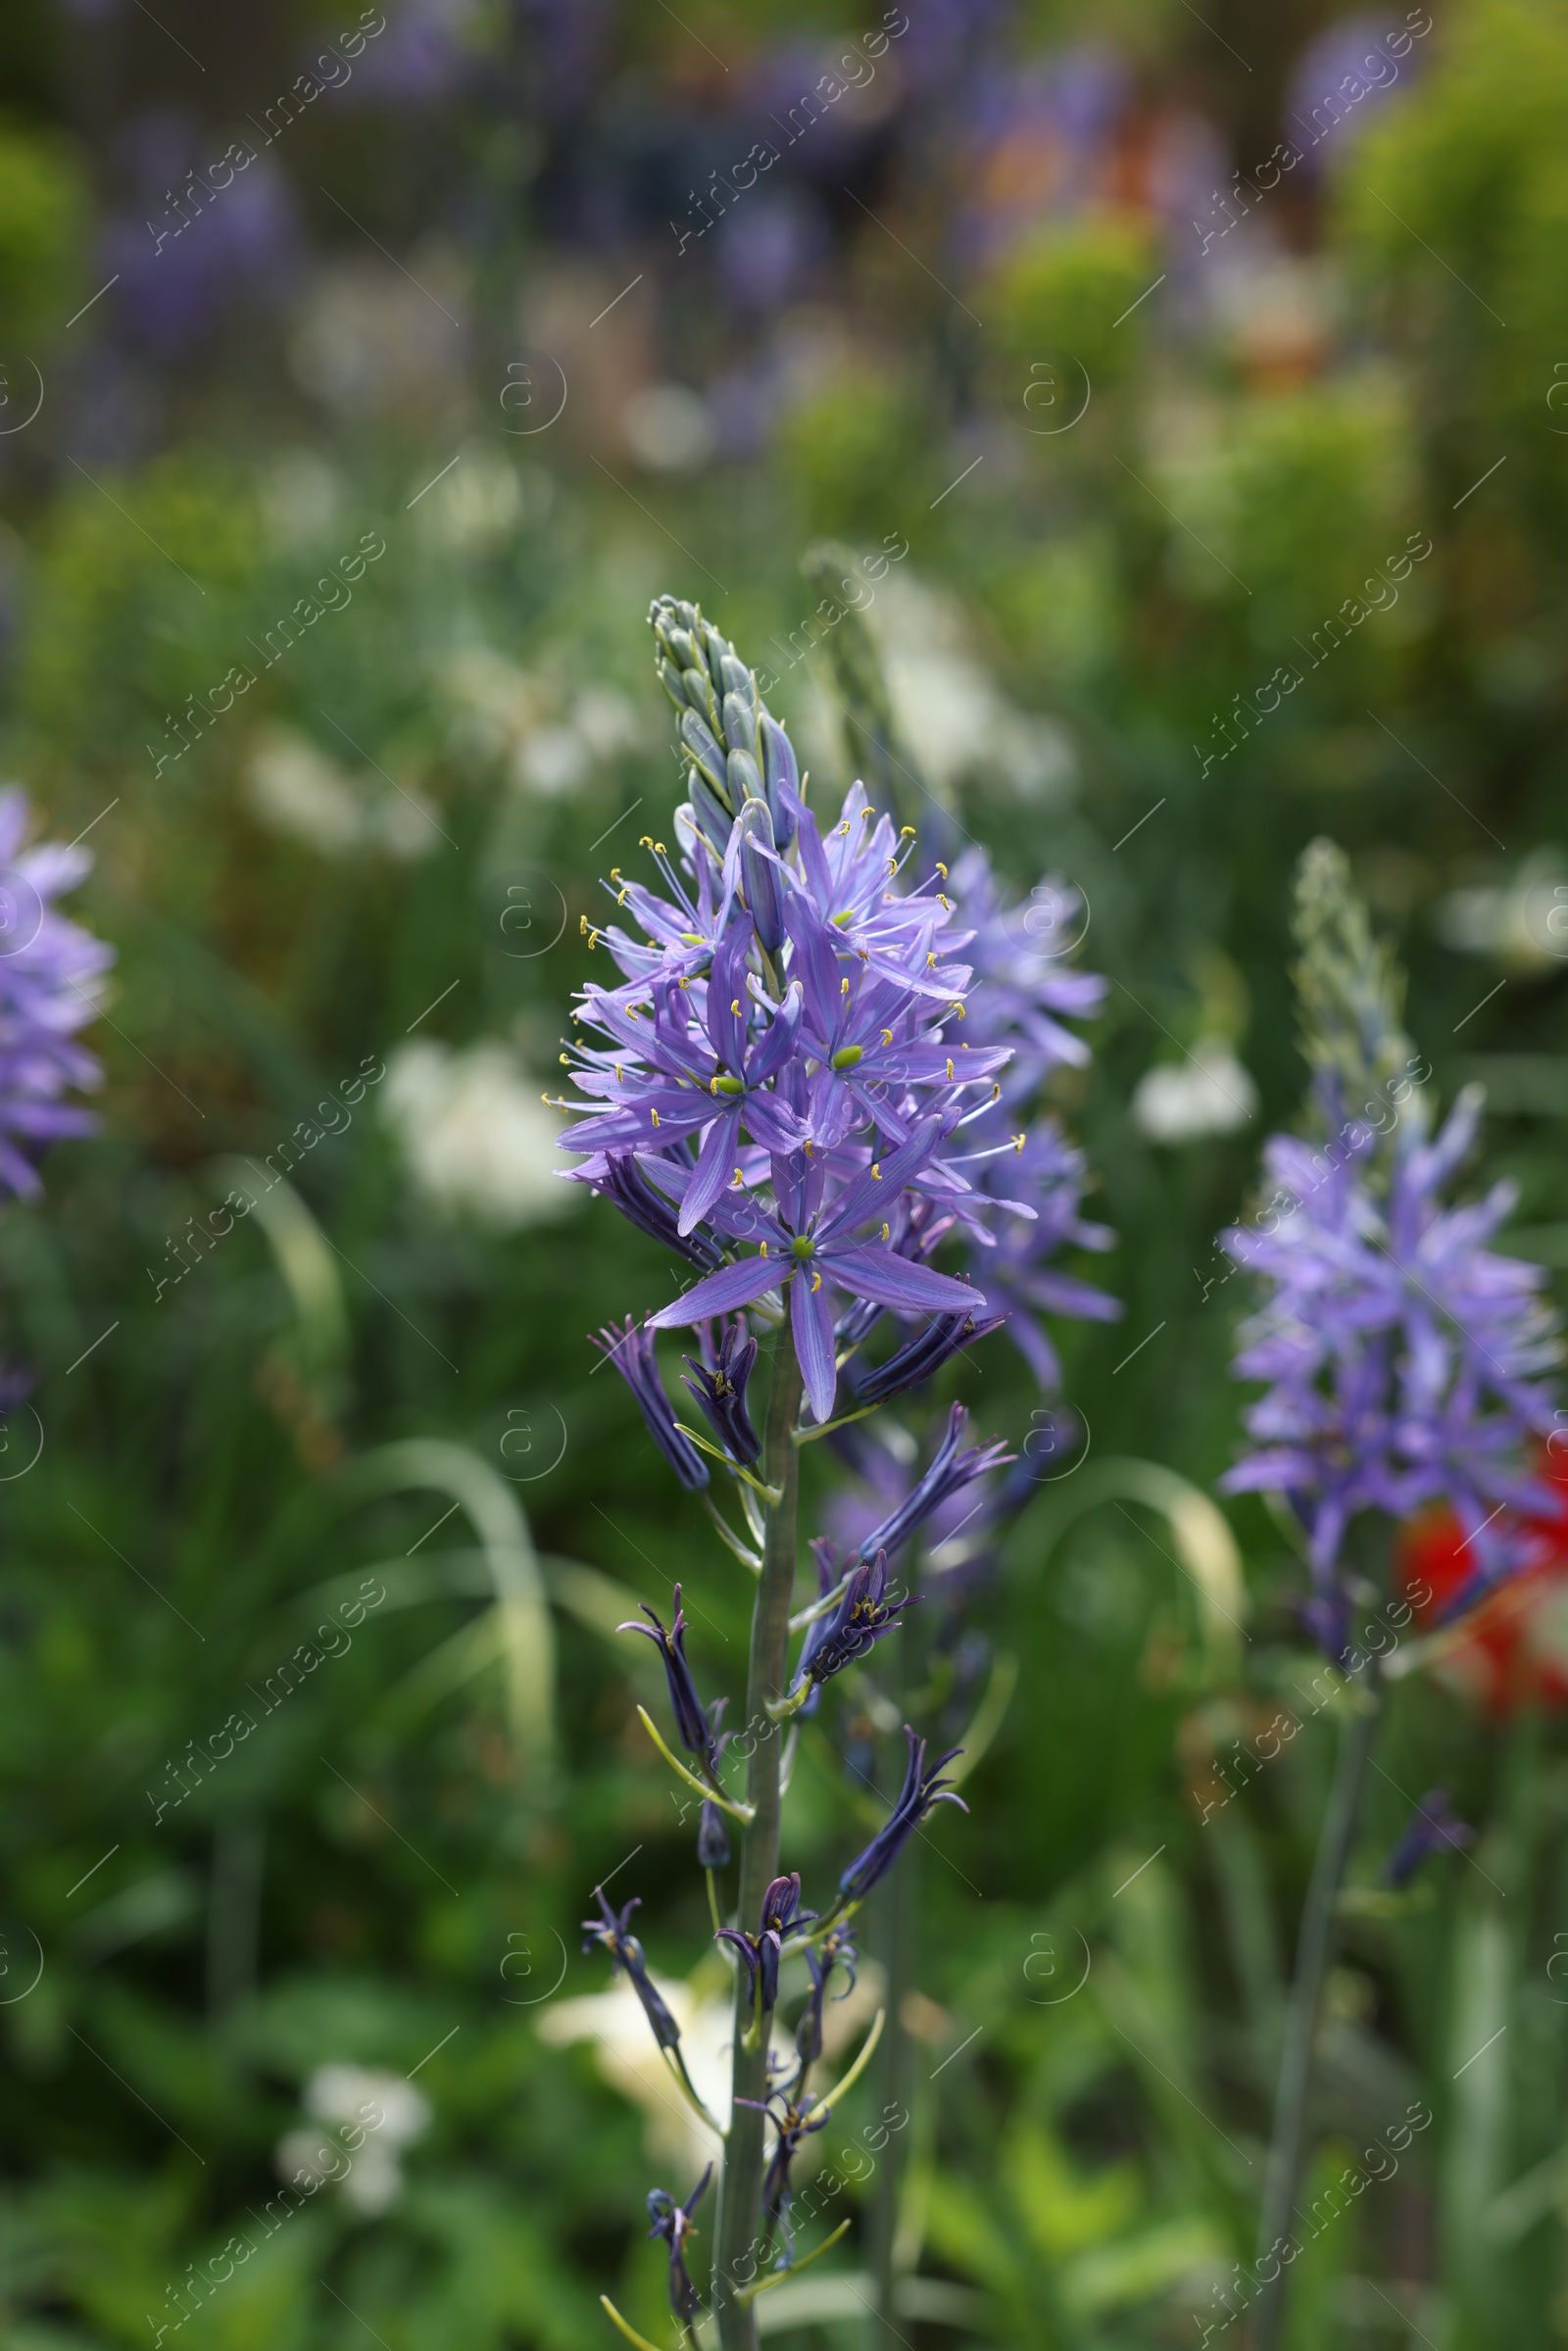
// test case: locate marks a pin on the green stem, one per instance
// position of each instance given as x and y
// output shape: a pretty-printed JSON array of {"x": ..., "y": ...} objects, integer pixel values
[
  {"x": 896, "y": 1941},
  {"x": 1286, "y": 2147},
  {"x": 738, "y": 2252}
]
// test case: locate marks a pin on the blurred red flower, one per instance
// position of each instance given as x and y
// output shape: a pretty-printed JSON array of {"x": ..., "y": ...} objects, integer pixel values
[{"x": 1513, "y": 1650}]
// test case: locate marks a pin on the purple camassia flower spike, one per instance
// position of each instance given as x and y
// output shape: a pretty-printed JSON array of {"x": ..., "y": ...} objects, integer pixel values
[
  {"x": 921, "y": 1792},
  {"x": 698, "y": 1730},
  {"x": 673, "y": 2223},
  {"x": 1022, "y": 993},
  {"x": 1402, "y": 1354},
  {"x": 50, "y": 970},
  {"x": 632, "y": 1352},
  {"x": 811, "y": 1242}
]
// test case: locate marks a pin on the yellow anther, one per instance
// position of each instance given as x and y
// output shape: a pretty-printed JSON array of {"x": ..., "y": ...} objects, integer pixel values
[
  {"x": 816, "y": 1283},
  {"x": 734, "y": 1004},
  {"x": 658, "y": 848},
  {"x": 566, "y": 1061},
  {"x": 893, "y": 865},
  {"x": 930, "y": 962},
  {"x": 945, "y": 902},
  {"x": 950, "y": 1073},
  {"x": 907, "y": 832},
  {"x": 877, "y": 1171},
  {"x": 885, "y": 1232},
  {"x": 653, "y": 1116},
  {"x": 843, "y": 987},
  {"x": 956, "y": 1007},
  {"x": 621, "y": 900},
  {"x": 887, "y": 1035},
  {"x": 1018, "y": 1141},
  {"x": 739, "y": 1178},
  {"x": 764, "y": 1248},
  {"x": 942, "y": 869},
  {"x": 647, "y": 841}
]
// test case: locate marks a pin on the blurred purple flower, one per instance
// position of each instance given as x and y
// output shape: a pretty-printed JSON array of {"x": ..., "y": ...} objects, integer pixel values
[
  {"x": 424, "y": 56},
  {"x": 1340, "y": 80},
  {"x": 182, "y": 263},
  {"x": 766, "y": 246},
  {"x": 49, "y": 988},
  {"x": 1402, "y": 1357}
]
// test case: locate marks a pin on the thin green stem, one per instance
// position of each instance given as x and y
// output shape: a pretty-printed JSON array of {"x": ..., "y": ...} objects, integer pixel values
[
  {"x": 739, "y": 2222},
  {"x": 1291, "y": 2098}
]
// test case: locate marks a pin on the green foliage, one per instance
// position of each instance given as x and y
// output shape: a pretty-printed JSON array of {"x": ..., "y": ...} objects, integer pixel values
[{"x": 44, "y": 232}]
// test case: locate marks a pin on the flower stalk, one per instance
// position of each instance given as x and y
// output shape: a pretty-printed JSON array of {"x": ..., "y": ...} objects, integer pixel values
[
  {"x": 1293, "y": 2097},
  {"x": 740, "y": 2189}
]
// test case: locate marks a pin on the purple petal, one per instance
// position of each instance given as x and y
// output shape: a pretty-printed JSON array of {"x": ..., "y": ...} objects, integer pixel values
[
  {"x": 882, "y": 1275},
  {"x": 722, "y": 1291},
  {"x": 812, "y": 1319}
]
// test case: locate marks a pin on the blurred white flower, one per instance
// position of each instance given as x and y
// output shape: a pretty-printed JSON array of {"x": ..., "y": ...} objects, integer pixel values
[
  {"x": 301, "y": 498},
  {"x": 1207, "y": 1094},
  {"x": 474, "y": 1134},
  {"x": 1524, "y": 923},
  {"x": 951, "y": 707},
  {"x": 704, "y": 2007},
  {"x": 550, "y": 740},
  {"x": 299, "y": 790},
  {"x": 668, "y": 428},
  {"x": 478, "y": 504},
  {"x": 383, "y": 2112}
]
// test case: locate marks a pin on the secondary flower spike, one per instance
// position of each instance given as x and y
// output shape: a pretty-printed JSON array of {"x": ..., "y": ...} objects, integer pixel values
[
  {"x": 697, "y": 1726},
  {"x": 51, "y": 974},
  {"x": 673, "y": 2223},
  {"x": 1403, "y": 1358},
  {"x": 634, "y": 1355},
  {"x": 921, "y": 1792}
]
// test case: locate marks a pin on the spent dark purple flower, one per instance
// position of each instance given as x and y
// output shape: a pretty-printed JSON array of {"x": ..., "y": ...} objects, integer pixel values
[
  {"x": 50, "y": 986},
  {"x": 921, "y": 1792},
  {"x": 713, "y": 1837},
  {"x": 719, "y": 1386},
  {"x": 622, "y": 1180},
  {"x": 635, "y": 1356},
  {"x": 696, "y": 1725},
  {"x": 863, "y": 1617},
  {"x": 922, "y": 1356},
  {"x": 837, "y": 1950},
  {"x": 760, "y": 1952},
  {"x": 794, "y": 2119},
  {"x": 673, "y": 2223},
  {"x": 1432, "y": 1828},
  {"x": 949, "y": 1471},
  {"x": 610, "y": 1931}
]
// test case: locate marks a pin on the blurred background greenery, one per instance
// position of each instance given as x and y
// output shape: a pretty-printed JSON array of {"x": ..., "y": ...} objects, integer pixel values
[{"x": 1042, "y": 300}]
